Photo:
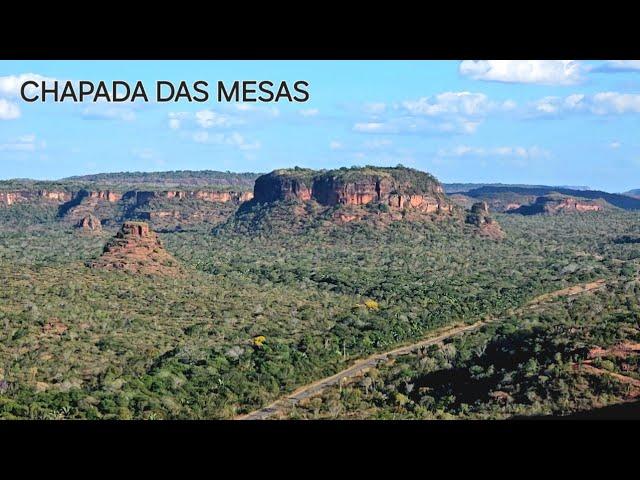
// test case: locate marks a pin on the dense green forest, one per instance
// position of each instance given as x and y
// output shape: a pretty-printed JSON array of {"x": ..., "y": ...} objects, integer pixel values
[{"x": 260, "y": 314}]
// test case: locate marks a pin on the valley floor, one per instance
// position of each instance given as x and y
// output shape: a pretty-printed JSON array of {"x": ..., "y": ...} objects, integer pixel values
[{"x": 258, "y": 316}]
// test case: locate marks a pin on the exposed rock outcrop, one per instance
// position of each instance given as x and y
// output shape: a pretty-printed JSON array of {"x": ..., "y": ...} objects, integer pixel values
[
  {"x": 284, "y": 185},
  {"x": 555, "y": 204},
  {"x": 90, "y": 224},
  {"x": 485, "y": 224},
  {"x": 24, "y": 196},
  {"x": 398, "y": 188},
  {"x": 137, "y": 249},
  {"x": 144, "y": 197},
  {"x": 107, "y": 195}
]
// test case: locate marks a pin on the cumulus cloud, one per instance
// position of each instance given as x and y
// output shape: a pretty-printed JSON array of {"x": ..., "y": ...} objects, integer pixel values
[
  {"x": 544, "y": 72},
  {"x": 603, "y": 103},
  {"x": 8, "y": 110},
  {"x": 619, "y": 66},
  {"x": 335, "y": 145},
  {"x": 209, "y": 118},
  {"x": 452, "y": 103},
  {"x": 444, "y": 113},
  {"x": 10, "y": 85},
  {"x": 615, "y": 145}
]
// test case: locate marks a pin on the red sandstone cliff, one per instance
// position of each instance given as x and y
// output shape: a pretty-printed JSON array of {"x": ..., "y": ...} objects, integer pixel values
[{"x": 354, "y": 188}]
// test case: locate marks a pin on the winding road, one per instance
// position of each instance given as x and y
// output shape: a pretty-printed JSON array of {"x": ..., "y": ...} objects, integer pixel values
[{"x": 364, "y": 365}]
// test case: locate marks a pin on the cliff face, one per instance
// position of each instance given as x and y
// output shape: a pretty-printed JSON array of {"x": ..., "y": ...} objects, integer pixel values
[
  {"x": 397, "y": 188},
  {"x": 106, "y": 195},
  {"x": 558, "y": 204},
  {"x": 143, "y": 197},
  {"x": 24, "y": 196},
  {"x": 137, "y": 249},
  {"x": 283, "y": 185}
]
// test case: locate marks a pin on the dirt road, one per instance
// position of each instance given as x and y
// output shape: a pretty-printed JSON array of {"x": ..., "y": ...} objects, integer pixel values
[
  {"x": 358, "y": 368},
  {"x": 362, "y": 366}
]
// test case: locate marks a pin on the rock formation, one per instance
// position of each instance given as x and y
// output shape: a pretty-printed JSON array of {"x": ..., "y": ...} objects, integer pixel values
[
  {"x": 137, "y": 249},
  {"x": 555, "y": 204},
  {"x": 398, "y": 188},
  {"x": 89, "y": 224},
  {"x": 144, "y": 197},
  {"x": 107, "y": 195},
  {"x": 9, "y": 198},
  {"x": 486, "y": 226}
]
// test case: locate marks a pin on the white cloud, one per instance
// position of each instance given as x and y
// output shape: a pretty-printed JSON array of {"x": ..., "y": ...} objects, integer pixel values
[
  {"x": 544, "y": 72},
  {"x": 370, "y": 127},
  {"x": 606, "y": 103},
  {"x": 418, "y": 125},
  {"x": 603, "y": 103},
  {"x": 233, "y": 139},
  {"x": 620, "y": 66},
  {"x": 24, "y": 143},
  {"x": 451, "y": 103},
  {"x": 335, "y": 145},
  {"x": 10, "y": 85},
  {"x": 209, "y": 118},
  {"x": 257, "y": 110},
  {"x": 502, "y": 151},
  {"x": 444, "y": 113},
  {"x": 176, "y": 118},
  {"x": 309, "y": 112},
  {"x": 615, "y": 145},
  {"x": 8, "y": 110}
]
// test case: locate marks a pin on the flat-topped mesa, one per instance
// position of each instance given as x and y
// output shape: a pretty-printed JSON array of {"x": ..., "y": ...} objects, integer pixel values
[
  {"x": 555, "y": 204},
  {"x": 397, "y": 187},
  {"x": 143, "y": 197},
  {"x": 137, "y": 249},
  {"x": 22, "y": 196},
  {"x": 89, "y": 224}
]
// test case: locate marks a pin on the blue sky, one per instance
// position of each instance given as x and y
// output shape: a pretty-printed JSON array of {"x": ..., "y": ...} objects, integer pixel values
[{"x": 536, "y": 122}]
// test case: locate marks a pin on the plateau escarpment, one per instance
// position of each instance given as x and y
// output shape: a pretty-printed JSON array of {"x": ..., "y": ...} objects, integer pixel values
[
  {"x": 398, "y": 187},
  {"x": 373, "y": 194},
  {"x": 8, "y": 198},
  {"x": 137, "y": 249},
  {"x": 555, "y": 204},
  {"x": 165, "y": 209}
]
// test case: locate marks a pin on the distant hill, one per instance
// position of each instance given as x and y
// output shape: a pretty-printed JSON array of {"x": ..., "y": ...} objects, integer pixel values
[
  {"x": 465, "y": 187},
  {"x": 617, "y": 200},
  {"x": 199, "y": 178},
  {"x": 633, "y": 193}
]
